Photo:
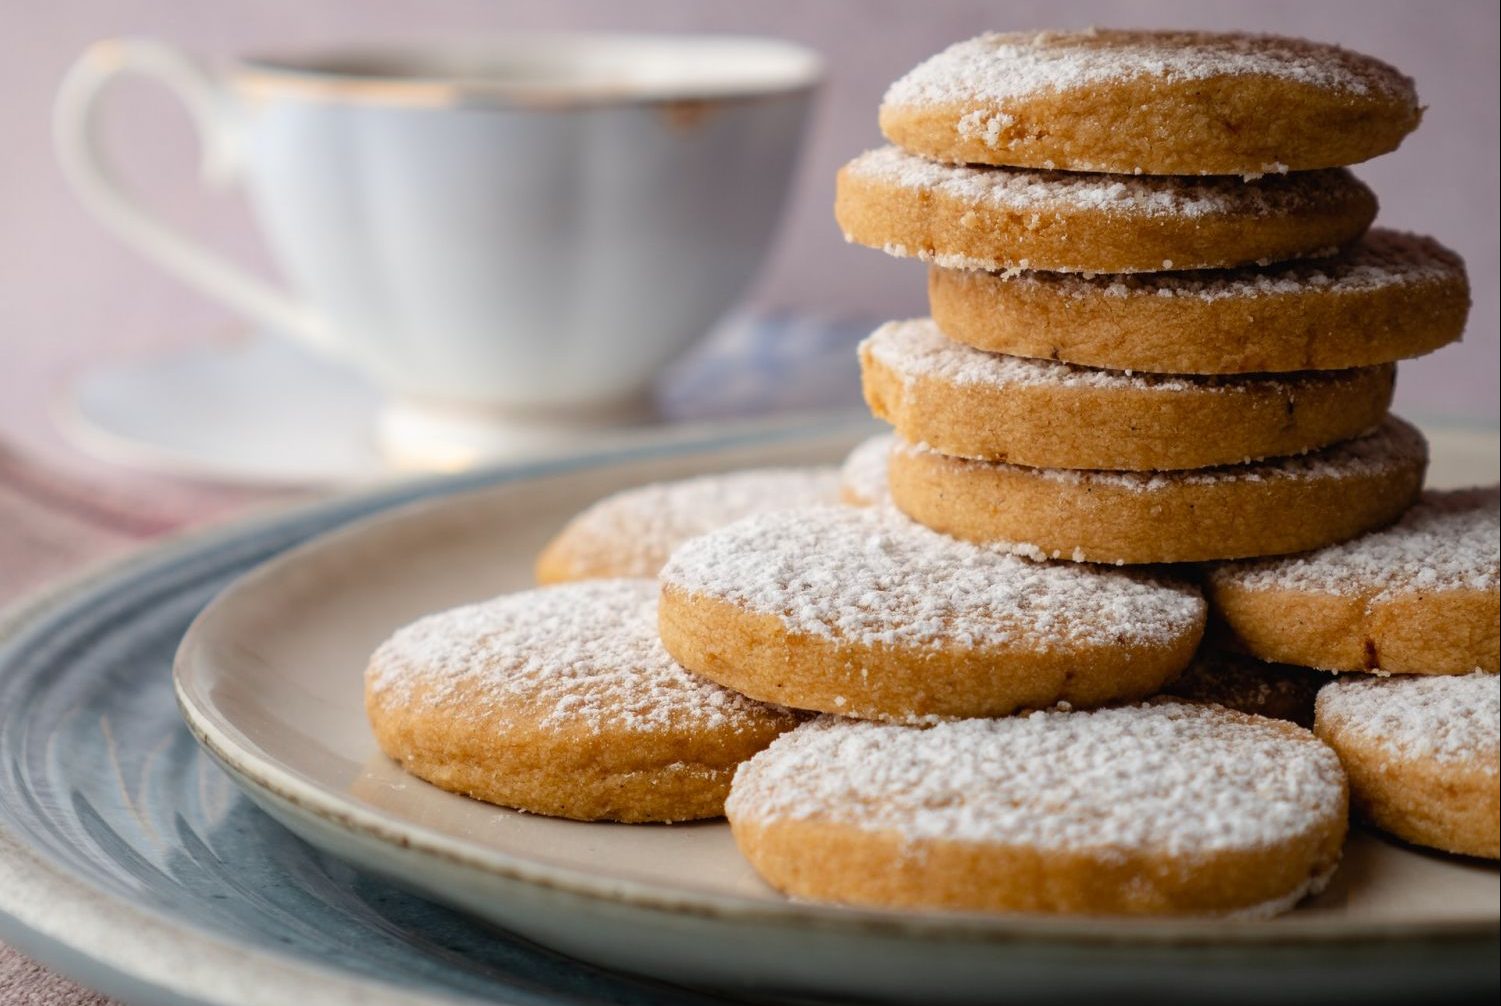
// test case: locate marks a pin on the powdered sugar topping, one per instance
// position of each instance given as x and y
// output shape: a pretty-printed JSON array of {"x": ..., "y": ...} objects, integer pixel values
[
  {"x": 581, "y": 655},
  {"x": 995, "y": 68},
  {"x": 918, "y": 350},
  {"x": 874, "y": 577},
  {"x": 1143, "y": 196},
  {"x": 863, "y": 480},
  {"x": 1448, "y": 541},
  {"x": 1390, "y": 447},
  {"x": 638, "y": 528},
  {"x": 1381, "y": 260},
  {"x": 1446, "y": 718},
  {"x": 1158, "y": 778}
]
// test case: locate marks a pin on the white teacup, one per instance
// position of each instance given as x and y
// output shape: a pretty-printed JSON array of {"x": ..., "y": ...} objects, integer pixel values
[{"x": 505, "y": 237}]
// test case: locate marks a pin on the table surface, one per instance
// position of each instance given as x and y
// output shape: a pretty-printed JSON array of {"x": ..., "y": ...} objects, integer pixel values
[{"x": 56, "y": 519}]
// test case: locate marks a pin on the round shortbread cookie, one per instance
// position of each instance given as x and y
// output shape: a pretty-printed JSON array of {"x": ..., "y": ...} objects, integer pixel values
[
  {"x": 561, "y": 701},
  {"x": 1422, "y": 754},
  {"x": 1389, "y": 297},
  {"x": 864, "y": 613},
  {"x": 968, "y": 403},
  {"x": 632, "y": 532},
  {"x": 1163, "y": 808},
  {"x": 1420, "y": 597},
  {"x": 862, "y": 478},
  {"x": 1153, "y": 102},
  {"x": 1004, "y": 219},
  {"x": 1268, "y": 508},
  {"x": 1245, "y": 684}
]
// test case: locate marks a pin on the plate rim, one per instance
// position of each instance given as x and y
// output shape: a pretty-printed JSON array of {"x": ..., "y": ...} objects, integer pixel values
[{"x": 259, "y": 770}]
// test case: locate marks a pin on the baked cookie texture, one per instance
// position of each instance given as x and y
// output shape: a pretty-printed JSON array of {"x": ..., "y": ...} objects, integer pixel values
[
  {"x": 862, "y": 477},
  {"x": 1153, "y": 102},
  {"x": 1163, "y": 808},
  {"x": 632, "y": 532},
  {"x": 861, "y": 612},
  {"x": 1422, "y": 756},
  {"x": 1222, "y": 676},
  {"x": 1389, "y": 297},
  {"x": 1420, "y": 597},
  {"x": 967, "y": 403},
  {"x": 561, "y": 701},
  {"x": 1151, "y": 517},
  {"x": 1004, "y": 219}
]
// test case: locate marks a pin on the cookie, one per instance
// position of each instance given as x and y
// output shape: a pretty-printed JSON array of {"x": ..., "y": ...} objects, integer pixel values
[
  {"x": 1389, "y": 297},
  {"x": 864, "y": 613},
  {"x": 1268, "y": 508},
  {"x": 632, "y": 532},
  {"x": 862, "y": 477},
  {"x": 1221, "y": 676},
  {"x": 1150, "y": 102},
  {"x": 1422, "y": 755},
  {"x": 1004, "y": 219},
  {"x": 1163, "y": 808},
  {"x": 1420, "y": 597},
  {"x": 968, "y": 403},
  {"x": 561, "y": 701}
]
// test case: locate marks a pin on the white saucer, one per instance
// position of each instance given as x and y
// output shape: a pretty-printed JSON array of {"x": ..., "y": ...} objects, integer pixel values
[
  {"x": 256, "y": 412},
  {"x": 262, "y": 412}
]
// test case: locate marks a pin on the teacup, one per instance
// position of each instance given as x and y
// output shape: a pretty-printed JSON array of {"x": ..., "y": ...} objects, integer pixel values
[{"x": 506, "y": 238}]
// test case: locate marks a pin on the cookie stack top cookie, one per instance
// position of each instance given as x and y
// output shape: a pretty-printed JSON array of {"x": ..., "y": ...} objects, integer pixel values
[
  {"x": 1161, "y": 330},
  {"x": 1150, "y": 102}
]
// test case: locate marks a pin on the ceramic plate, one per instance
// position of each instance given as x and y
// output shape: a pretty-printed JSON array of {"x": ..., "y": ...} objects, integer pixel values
[{"x": 269, "y": 678}]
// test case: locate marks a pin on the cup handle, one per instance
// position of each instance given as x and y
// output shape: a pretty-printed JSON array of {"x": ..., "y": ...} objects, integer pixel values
[{"x": 75, "y": 122}]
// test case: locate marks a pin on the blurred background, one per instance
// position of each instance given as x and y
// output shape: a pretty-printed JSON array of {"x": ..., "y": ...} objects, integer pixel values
[{"x": 71, "y": 295}]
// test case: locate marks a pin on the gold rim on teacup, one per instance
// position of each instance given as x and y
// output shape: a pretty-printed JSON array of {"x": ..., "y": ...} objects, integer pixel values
[{"x": 522, "y": 71}]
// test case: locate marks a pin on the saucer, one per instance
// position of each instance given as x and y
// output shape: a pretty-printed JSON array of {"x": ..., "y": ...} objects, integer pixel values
[
  {"x": 262, "y": 412},
  {"x": 258, "y": 412}
]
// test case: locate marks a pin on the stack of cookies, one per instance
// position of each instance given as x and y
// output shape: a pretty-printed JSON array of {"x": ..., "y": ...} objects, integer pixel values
[
  {"x": 1161, "y": 333},
  {"x": 1161, "y": 330}
]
